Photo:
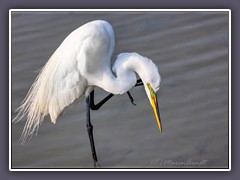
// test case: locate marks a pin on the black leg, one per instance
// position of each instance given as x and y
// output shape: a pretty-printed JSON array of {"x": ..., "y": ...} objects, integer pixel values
[
  {"x": 139, "y": 83},
  {"x": 90, "y": 105},
  {"x": 98, "y": 105},
  {"x": 131, "y": 98},
  {"x": 90, "y": 133}
]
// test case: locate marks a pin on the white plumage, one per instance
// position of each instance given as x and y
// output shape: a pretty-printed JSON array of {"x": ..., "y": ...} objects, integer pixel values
[{"x": 80, "y": 63}]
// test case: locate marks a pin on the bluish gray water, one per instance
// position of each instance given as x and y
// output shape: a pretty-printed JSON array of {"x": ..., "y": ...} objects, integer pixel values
[{"x": 191, "y": 52}]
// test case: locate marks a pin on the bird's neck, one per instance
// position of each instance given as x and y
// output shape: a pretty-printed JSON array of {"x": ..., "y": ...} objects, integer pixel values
[{"x": 125, "y": 68}]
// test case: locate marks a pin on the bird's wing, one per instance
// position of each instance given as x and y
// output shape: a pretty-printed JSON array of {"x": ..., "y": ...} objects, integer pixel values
[
  {"x": 58, "y": 85},
  {"x": 66, "y": 84}
]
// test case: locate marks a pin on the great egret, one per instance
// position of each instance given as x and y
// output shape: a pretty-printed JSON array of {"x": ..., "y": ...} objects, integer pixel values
[{"x": 80, "y": 63}]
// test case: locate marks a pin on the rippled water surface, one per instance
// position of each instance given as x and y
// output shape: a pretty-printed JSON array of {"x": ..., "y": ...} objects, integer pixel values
[{"x": 191, "y": 52}]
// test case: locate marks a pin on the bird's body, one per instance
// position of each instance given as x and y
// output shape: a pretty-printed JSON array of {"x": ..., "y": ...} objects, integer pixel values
[
  {"x": 63, "y": 79},
  {"x": 81, "y": 62}
]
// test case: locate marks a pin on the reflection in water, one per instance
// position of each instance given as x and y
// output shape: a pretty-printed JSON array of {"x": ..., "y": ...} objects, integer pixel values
[{"x": 191, "y": 51}]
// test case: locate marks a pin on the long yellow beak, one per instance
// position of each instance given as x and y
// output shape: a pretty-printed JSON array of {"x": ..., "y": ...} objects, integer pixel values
[{"x": 154, "y": 103}]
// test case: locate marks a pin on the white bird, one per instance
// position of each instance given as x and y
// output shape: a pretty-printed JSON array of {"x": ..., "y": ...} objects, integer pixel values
[{"x": 79, "y": 64}]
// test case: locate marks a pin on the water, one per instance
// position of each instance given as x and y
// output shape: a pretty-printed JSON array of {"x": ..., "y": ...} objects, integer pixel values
[{"x": 191, "y": 52}]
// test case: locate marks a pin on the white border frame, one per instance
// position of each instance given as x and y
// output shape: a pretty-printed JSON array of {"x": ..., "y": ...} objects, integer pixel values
[{"x": 114, "y": 10}]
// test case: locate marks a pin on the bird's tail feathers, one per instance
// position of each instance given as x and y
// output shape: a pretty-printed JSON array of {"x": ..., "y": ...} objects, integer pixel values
[{"x": 34, "y": 107}]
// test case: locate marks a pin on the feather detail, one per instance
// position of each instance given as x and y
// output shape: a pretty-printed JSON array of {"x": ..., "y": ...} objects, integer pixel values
[{"x": 56, "y": 87}]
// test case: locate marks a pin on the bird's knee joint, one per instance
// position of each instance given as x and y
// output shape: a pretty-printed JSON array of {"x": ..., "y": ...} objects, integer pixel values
[{"x": 93, "y": 107}]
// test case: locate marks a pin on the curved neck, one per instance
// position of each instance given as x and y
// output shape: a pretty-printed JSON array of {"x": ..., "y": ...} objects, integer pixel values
[
  {"x": 119, "y": 84},
  {"x": 125, "y": 67}
]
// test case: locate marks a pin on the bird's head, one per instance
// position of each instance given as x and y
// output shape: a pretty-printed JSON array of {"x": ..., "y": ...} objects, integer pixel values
[
  {"x": 128, "y": 63},
  {"x": 151, "y": 80}
]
